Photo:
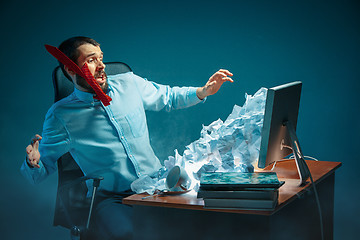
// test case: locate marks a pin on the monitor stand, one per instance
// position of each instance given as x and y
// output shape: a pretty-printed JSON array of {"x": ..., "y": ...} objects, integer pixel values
[{"x": 302, "y": 167}]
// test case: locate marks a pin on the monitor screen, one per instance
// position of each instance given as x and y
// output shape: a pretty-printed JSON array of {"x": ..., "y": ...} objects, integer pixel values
[{"x": 282, "y": 105}]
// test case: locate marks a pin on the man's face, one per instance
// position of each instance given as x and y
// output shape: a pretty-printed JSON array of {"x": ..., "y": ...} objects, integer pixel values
[{"x": 93, "y": 56}]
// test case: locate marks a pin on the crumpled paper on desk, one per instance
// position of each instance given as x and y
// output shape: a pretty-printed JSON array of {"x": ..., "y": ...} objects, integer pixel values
[{"x": 229, "y": 146}]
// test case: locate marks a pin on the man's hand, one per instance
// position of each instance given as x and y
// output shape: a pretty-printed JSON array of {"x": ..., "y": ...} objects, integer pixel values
[
  {"x": 214, "y": 83},
  {"x": 32, "y": 151}
]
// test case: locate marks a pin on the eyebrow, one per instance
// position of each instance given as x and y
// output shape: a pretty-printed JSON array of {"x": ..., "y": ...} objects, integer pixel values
[{"x": 92, "y": 54}]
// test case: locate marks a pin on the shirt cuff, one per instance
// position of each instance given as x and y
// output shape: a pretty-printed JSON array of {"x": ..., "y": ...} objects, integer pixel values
[
  {"x": 25, "y": 168},
  {"x": 31, "y": 173}
]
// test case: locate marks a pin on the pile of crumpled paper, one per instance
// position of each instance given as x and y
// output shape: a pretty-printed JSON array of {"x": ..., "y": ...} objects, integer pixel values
[{"x": 230, "y": 146}]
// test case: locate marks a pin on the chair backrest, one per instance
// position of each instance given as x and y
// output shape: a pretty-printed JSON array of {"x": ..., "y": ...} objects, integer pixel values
[{"x": 68, "y": 170}]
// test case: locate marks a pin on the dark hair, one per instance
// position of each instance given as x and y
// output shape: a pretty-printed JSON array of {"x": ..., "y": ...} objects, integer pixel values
[{"x": 70, "y": 48}]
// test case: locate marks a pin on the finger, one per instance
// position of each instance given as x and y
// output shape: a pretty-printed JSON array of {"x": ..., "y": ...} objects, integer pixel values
[
  {"x": 29, "y": 149},
  {"x": 33, "y": 161},
  {"x": 227, "y": 72},
  {"x": 219, "y": 74},
  {"x": 30, "y": 161},
  {"x": 35, "y": 139},
  {"x": 36, "y": 146},
  {"x": 224, "y": 79},
  {"x": 38, "y": 137},
  {"x": 227, "y": 79},
  {"x": 34, "y": 164}
]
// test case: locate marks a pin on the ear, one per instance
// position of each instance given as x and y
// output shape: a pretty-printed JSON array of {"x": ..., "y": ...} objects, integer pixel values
[{"x": 70, "y": 72}]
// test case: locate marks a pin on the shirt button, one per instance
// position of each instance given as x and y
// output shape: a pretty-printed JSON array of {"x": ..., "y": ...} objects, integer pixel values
[
  {"x": 130, "y": 156},
  {"x": 112, "y": 119}
]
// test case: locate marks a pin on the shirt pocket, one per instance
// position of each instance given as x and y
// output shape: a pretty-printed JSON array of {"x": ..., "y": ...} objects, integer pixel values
[{"x": 137, "y": 122}]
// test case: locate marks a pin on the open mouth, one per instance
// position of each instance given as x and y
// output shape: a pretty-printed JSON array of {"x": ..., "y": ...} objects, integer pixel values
[{"x": 100, "y": 77}]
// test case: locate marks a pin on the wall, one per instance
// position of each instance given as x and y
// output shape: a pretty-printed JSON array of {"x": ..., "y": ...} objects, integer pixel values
[{"x": 264, "y": 43}]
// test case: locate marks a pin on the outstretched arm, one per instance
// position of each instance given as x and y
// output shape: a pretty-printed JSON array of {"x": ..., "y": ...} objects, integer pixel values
[{"x": 214, "y": 83}]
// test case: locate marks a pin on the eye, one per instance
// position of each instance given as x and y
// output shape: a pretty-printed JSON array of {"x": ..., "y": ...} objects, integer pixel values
[{"x": 92, "y": 60}]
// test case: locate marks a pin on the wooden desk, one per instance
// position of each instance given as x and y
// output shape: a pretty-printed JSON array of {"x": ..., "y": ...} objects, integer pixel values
[{"x": 184, "y": 216}]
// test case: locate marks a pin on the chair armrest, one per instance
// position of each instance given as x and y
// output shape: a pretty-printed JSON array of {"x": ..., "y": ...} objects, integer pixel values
[{"x": 96, "y": 181}]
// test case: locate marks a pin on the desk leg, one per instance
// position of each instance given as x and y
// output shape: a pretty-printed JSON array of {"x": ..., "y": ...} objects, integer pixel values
[{"x": 300, "y": 218}]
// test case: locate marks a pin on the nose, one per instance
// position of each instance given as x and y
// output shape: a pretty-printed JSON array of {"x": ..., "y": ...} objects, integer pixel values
[{"x": 101, "y": 65}]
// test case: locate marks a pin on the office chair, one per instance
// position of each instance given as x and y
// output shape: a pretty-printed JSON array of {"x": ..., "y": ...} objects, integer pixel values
[{"x": 73, "y": 208}]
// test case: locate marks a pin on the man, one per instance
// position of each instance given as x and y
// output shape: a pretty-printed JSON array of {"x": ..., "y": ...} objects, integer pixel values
[{"x": 111, "y": 141}]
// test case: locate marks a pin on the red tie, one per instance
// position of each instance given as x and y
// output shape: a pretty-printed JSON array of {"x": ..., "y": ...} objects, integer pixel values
[{"x": 83, "y": 72}]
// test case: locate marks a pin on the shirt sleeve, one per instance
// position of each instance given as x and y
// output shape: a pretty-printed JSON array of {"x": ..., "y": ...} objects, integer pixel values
[
  {"x": 157, "y": 96},
  {"x": 55, "y": 142}
]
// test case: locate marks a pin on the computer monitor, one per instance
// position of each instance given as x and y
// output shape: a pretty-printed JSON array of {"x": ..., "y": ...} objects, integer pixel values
[{"x": 278, "y": 136}]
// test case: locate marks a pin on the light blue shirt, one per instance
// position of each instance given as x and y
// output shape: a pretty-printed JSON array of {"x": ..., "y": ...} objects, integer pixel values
[{"x": 110, "y": 141}]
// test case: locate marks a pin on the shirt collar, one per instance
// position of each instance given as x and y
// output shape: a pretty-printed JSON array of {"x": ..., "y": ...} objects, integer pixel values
[{"x": 86, "y": 96}]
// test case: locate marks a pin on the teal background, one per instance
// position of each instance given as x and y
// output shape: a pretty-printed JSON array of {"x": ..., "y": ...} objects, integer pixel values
[{"x": 264, "y": 43}]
